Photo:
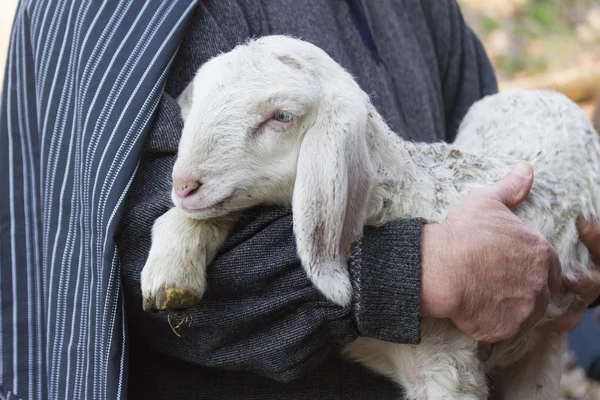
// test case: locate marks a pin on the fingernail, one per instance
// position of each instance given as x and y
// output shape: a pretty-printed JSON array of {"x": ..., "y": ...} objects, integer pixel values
[{"x": 523, "y": 169}]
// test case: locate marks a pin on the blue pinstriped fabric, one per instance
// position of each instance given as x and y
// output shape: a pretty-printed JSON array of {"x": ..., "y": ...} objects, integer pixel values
[{"x": 83, "y": 79}]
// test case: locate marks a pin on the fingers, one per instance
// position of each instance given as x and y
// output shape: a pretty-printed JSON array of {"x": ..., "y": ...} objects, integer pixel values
[
  {"x": 514, "y": 187},
  {"x": 588, "y": 290},
  {"x": 541, "y": 303},
  {"x": 508, "y": 330},
  {"x": 569, "y": 320},
  {"x": 589, "y": 234},
  {"x": 554, "y": 285},
  {"x": 587, "y": 287}
]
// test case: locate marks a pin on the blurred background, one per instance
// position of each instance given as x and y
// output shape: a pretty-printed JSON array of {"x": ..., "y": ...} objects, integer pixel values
[
  {"x": 545, "y": 44},
  {"x": 7, "y": 12}
]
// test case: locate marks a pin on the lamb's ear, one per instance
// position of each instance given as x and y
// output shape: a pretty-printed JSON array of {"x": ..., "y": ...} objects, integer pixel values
[
  {"x": 185, "y": 100},
  {"x": 332, "y": 189}
]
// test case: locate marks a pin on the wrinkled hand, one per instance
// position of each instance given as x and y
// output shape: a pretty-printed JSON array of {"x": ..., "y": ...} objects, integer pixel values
[
  {"x": 588, "y": 288},
  {"x": 484, "y": 268}
]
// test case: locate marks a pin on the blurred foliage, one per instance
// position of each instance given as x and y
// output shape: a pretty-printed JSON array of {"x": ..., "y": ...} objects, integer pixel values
[{"x": 525, "y": 37}]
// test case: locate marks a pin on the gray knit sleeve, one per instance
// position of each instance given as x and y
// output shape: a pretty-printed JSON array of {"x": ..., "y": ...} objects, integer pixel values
[{"x": 385, "y": 268}]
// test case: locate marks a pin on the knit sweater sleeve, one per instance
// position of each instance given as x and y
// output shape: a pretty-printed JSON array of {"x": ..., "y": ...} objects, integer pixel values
[{"x": 386, "y": 276}]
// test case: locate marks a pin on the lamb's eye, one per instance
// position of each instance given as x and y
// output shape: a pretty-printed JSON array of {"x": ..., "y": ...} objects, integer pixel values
[{"x": 283, "y": 116}]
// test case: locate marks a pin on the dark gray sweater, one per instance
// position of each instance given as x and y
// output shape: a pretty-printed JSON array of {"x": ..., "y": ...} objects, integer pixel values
[{"x": 262, "y": 331}]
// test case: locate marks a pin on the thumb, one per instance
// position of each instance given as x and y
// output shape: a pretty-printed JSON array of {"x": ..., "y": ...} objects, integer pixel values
[{"x": 514, "y": 187}]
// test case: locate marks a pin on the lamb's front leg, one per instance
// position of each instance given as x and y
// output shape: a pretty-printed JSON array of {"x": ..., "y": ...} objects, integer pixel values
[
  {"x": 537, "y": 375},
  {"x": 444, "y": 366},
  {"x": 174, "y": 276}
]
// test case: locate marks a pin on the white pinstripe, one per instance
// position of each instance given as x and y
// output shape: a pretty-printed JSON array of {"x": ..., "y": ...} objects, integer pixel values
[
  {"x": 47, "y": 52},
  {"x": 41, "y": 26},
  {"x": 31, "y": 269},
  {"x": 20, "y": 69},
  {"x": 13, "y": 247},
  {"x": 40, "y": 287},
  {"x": 39, "y": 52},
  {"x": 34, "y": 17},
  {"x": 124, "y": 338}
]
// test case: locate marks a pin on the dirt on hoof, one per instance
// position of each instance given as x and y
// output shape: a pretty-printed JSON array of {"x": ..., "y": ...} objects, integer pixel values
[{"x": 176, "y": 298}]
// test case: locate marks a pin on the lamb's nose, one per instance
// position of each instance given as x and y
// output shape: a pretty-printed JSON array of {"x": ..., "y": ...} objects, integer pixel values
[{"x": 186, "y": 188}]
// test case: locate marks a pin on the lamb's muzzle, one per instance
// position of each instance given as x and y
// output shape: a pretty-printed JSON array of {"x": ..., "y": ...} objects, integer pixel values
[{"x": 341, "y": 167}]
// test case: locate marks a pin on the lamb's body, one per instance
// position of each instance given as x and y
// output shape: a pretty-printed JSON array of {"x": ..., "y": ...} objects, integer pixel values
[
  {"x": 544, "y": 128},
  {"x": 407, "y": 180},
  {"x": 554, "y": 135}
]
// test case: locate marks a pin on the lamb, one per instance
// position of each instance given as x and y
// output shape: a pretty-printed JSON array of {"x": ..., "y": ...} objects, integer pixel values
[{"x": 276, "y": 121}]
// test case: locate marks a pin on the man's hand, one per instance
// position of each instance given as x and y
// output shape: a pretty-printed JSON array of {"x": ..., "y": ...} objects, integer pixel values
[
  {"x": 588, "y": 288},
  {"x": 483, "y": 268}
]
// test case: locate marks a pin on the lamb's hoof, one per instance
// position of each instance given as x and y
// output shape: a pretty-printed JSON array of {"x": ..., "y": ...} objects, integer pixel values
[
  {"x": 149, "y": 305},
  {"x": 172, "y": 299}
]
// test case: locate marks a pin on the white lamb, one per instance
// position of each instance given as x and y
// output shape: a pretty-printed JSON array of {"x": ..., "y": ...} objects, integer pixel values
[{"x": 277, "y": 121}]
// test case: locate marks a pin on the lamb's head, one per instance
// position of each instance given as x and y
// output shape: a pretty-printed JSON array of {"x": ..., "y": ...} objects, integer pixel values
[{"x": 271, "y": 120}]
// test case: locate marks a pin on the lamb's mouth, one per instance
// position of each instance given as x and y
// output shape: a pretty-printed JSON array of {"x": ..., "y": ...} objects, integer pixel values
[{"x": 215, "y": 206}]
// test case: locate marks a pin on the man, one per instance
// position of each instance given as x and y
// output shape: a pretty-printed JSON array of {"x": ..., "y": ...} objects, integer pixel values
[{"x": 85, "y": 79}]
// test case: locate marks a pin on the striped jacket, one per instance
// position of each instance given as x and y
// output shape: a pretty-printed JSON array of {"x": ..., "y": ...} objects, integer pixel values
[{"x": 82, "y": 81}]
